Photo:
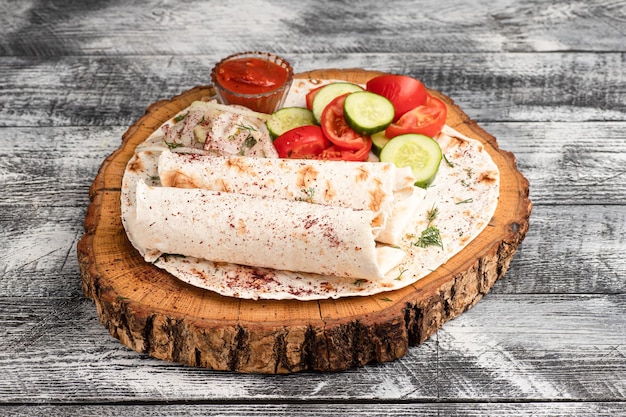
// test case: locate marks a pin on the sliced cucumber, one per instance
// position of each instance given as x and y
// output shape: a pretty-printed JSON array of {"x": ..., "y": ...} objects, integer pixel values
[
  {"x": 379, "y": 140},
  {"x": 329, "y": 92},
  {"x": 421, "y": 153},
  {"x": 367, "y": 112},
  {"x": 288, "y": 118}
]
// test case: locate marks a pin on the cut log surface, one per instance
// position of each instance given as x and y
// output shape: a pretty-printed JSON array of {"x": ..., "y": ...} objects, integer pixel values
[{"x": 152, "y": 312}]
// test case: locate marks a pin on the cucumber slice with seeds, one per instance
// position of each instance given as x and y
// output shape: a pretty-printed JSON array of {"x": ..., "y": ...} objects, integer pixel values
[
  {"x": 329, "y": 92},
  {"x": 367, "y": 112},
  {"x": 421, "y": 153},
  {"x": 288, "y": 118}
]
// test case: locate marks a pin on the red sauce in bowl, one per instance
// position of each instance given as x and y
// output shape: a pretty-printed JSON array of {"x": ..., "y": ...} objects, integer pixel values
[
  {"x": 251, "y": 75},
  {"x": 257, "y": 80}
]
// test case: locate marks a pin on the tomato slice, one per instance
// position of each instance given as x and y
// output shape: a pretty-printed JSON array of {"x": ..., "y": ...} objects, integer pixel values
[
  {"x": 427, "y": 119},
  {"x": 311, "y": 95},
  {"x": 301, "y": 142},
  {"x": 335, "y": 153},
  {"x": 336, "y": 128},
  {"x": 404, "y": 92}
]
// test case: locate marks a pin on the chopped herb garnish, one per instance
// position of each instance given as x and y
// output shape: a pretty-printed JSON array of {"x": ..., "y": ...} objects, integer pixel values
[
  {"x": 249, "y": 142},
  {"x": 173, "y": 145},
  {"x": 450, "y": 164},
  {"x": 387, "y": 299},
  {"x": 431, "y": 236},
  {"x": 308, "y": 194},
  {"x": 469, "y": 173},
  {"x": 180, "y": 117},
  {"x": 432, "y": 214},
  {"x": 248, "y": 128},
  {"x": 359, "y": 282},
  {"x": 399, "y": 277},
  {"x": 469, "y": 200},
  {"x": 248, "y": 138}
]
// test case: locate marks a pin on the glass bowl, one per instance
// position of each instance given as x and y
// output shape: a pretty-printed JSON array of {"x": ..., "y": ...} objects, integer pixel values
[{"x": 259, "y": 81}]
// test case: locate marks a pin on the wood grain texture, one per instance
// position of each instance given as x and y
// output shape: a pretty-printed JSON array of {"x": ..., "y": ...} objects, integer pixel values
[
  {"x": 114, "y": 91},
  {"x": 171, "y": 28},
  {"x": 313, "y": 409},
  {"x": 175, "y": 322},
  {"x": 566, "y": 163},
  {"x": 544, "y": 77},
  {"x": 564, "y": 348}
]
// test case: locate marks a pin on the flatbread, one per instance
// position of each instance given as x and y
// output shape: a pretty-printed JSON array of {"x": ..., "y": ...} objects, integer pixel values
[
  {"x": 262, "y": 232},
  {"x": 459, "y": 203},
  {"x": 380, "y": 187}
]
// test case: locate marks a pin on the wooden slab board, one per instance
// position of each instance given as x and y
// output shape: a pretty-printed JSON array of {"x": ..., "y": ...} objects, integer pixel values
[{"x": 152, "y": 312}]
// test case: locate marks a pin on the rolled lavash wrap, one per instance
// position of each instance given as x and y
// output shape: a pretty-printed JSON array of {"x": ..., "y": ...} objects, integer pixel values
[
  {"x": 262, "y": 232},
  {"x": 379, "y": 187}
]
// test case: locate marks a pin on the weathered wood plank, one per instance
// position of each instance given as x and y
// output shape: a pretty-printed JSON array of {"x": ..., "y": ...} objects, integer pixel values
[
  {"x": 322, "y": 409},
  {"x": 39, "y": 251},
  {"x": 567, "y": 250},
  {"x": 560, "y": 347},
  {"x": 101, "y": 91},
  {"x": 52, "y": 167},
  {"x": 566, "y": 163},
  {"x": 570, "y": 249},
  {"x": 167, "y": 28},
  {"x": 56, "y": 346},
  {"x": 515, "y": 353},
  {"x": 508, "y": 347}
]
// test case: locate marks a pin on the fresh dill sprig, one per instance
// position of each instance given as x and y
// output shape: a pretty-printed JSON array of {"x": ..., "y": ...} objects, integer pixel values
[
  {"x": 431, "y": 236},
  {"x": 173, "y": 145},
  {"x": 308, "y": 194},
  {"x": 180, "y": 117},
  {"x": 469, "y": 200},
  {"x": 399, "y": 277},
  {"x": 432, "y": 214},
  {"x": 246, "y": 127},
  {"x": 249, "y": 141},
  {"x": 450, "y": 164}
]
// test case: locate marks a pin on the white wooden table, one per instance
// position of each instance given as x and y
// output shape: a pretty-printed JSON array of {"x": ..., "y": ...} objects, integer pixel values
[{"x": 547, "y": 78}]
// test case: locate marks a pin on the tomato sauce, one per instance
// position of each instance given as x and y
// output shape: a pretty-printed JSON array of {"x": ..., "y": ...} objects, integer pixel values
[
  {"x": 259, "y": 82},
  {"x": 251, "y": 75}
]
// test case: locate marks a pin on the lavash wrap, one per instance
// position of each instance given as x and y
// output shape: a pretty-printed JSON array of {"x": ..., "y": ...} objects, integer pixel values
[
  {"x": 322, "y": 217},
  {"x": 262, "y": 232},
  {"x": 381, "y": 188}
]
